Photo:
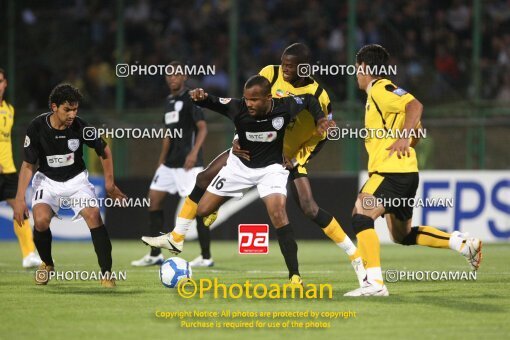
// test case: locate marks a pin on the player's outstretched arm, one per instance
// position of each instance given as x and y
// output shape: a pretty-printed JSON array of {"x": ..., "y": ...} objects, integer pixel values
[
  {"x": 20, "y": 207},
  {"x": 107, "y": 163},
  {"x": 414, "y": 110},
  {"x": 229, "y": 107}
]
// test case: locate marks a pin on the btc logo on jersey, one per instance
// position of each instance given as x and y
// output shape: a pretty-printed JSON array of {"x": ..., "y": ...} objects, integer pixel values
[
  {"x": 265, "y": 137},
  {"x": 253, "y": 238},
  {"x": 57, "y": 161}
]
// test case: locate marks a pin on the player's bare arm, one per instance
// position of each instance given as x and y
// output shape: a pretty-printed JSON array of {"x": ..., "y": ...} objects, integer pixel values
[
  {"x": 20, "y": 207},
  {"x": 165, "y": 146},
  {"x": 236, "y": 150},
  {"x": 414, "y": 111},
  {"x": 107, "y": 162},
  {"x": 192, "y": 157}
]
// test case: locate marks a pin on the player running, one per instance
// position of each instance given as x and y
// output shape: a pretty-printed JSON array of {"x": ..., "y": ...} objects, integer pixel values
[
  {"x": 9, "y": 178},
  {"x": 54, "y": 147},
  {"x": 260, "y": 122},
  {"x": 180, "y": 159},
  {"x": 393, "y": 170},
  {"x": 300, "y": 145}
]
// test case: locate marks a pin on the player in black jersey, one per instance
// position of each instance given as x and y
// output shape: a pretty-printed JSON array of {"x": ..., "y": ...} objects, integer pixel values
[
  {"x": 54, "y": 147},
  {"x": 260, "y": 122},
  {"x": 299, "y": 146},
  {"x": 180, "y": 160}
]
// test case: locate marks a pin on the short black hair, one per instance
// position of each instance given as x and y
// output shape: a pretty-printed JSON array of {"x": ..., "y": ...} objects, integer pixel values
[
  {"x": 64, "y": 93},
  {"x": 2, "y": 71},
  {"x": 298, "y": 50},
  {"x": 176, "y": 63},
  {"x": 258, "y": 80},
  {"x": 373, "y": 55}
]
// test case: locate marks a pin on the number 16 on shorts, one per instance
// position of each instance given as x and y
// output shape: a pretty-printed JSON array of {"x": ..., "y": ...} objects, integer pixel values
[{"x": 253, "y": 238}]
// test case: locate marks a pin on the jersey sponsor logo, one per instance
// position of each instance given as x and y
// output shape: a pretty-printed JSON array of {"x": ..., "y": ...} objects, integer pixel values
[
  {"x": 399, "y": 91},
  {"x": 265, "y": 136},
  {"x": 277, "y": 123},
  {"x": 225, "y": 100},
  {"x": 171, "y": 117},
  {"x": 27, "y": 142},
  {"x": 73, "y": 144},
  {"x": 57, "y": 161}
]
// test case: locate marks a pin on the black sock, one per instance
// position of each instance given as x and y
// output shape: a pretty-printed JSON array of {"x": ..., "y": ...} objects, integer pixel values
[
  {"x": 103, "y": 248},
  {"x": 42, "y": 240},
  {"x": 204, "y": 237},
  {"x": 289, "y": 248},
  {"x": 155, "y": 227},
  {"x": 196, "y": 194},
  {"x": 323, "y": 218}
]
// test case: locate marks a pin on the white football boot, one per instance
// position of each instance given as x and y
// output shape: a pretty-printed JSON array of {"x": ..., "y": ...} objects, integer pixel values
[
  {"x": 369, "y": 289},
  {"x": 148, "y": 260},
  {"x": 472, "y": 251},
  {"x": 199, "y": 261},
  {"x": 165, "y": 241},
  {"x": 31, "y": 260}
]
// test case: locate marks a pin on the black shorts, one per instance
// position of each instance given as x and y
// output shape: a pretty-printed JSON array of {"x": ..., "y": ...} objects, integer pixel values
[
  {"x": 395, "y": 191},
  {"x": 8, "y": 186}
]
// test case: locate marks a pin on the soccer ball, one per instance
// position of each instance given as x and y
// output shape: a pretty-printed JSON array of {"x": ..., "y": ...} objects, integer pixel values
[{"x": 173, "y": 270}]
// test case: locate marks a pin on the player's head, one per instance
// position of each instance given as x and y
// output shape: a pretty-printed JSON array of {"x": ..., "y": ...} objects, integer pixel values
[
  {"x": 257, "y": 95},
  {"x": 3, "y": 83},
  {"x": 373, "y": 56},
  {"x": 64, "y": 101},
  {"x": 176, "y": 80},
  {"x": 292, "y": 56}
]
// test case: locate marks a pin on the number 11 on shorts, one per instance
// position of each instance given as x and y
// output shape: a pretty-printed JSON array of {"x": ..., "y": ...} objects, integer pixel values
[{"x": 253, "y": 238}]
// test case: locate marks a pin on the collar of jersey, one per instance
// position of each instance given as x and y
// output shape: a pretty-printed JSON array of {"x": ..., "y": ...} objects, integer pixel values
[
  {"x": 178, "y": 94},
  {"x": 369, "y": 87}
]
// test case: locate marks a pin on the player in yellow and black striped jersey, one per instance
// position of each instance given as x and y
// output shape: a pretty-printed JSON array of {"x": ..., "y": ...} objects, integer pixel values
[
  {"x": 300, "y": 144},
  {"x": 9, "y": 177},
  {"x": 393, "y": 171}
]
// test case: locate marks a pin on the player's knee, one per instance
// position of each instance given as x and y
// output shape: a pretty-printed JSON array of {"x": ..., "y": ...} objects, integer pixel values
[
  {"x": 362, "y": 222},
  {"x": 91, "y": 216},
  {"x": 406, "y": 239},
  {"x": 309, "y": 207},
  {"x": 279, "y": 216},
  {"x": 42, "y": 223},
  {"x": 204, "y": 178}
]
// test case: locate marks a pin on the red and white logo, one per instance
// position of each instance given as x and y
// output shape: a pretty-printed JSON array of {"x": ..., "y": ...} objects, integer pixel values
[{"x": 253, "y": 238}]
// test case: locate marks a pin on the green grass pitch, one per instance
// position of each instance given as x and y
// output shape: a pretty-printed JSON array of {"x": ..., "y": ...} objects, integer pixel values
[{"x": 83, "y": 309}]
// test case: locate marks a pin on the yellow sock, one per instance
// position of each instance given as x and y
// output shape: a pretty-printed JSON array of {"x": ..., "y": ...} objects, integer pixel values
[
  {"x": 335, "y": 232},
  {"x": 432, "y": 237},
  {"x": 25, "y": 238},
  {"x": 189, "y": 209},
  {"x": 177, "y": 237},
  {"x": 368, "y": 243}
]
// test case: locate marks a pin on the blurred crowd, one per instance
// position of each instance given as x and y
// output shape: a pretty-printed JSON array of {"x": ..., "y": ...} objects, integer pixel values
[{"x": 429, "y": 41}]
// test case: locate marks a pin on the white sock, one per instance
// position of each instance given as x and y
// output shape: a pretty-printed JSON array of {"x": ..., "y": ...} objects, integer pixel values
[
  {"x": 347, "y": 246},
  {"x": 455, "y": 241},
  {"x": 374, "y": 274},
  {"x": 182, "y": 225}
]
